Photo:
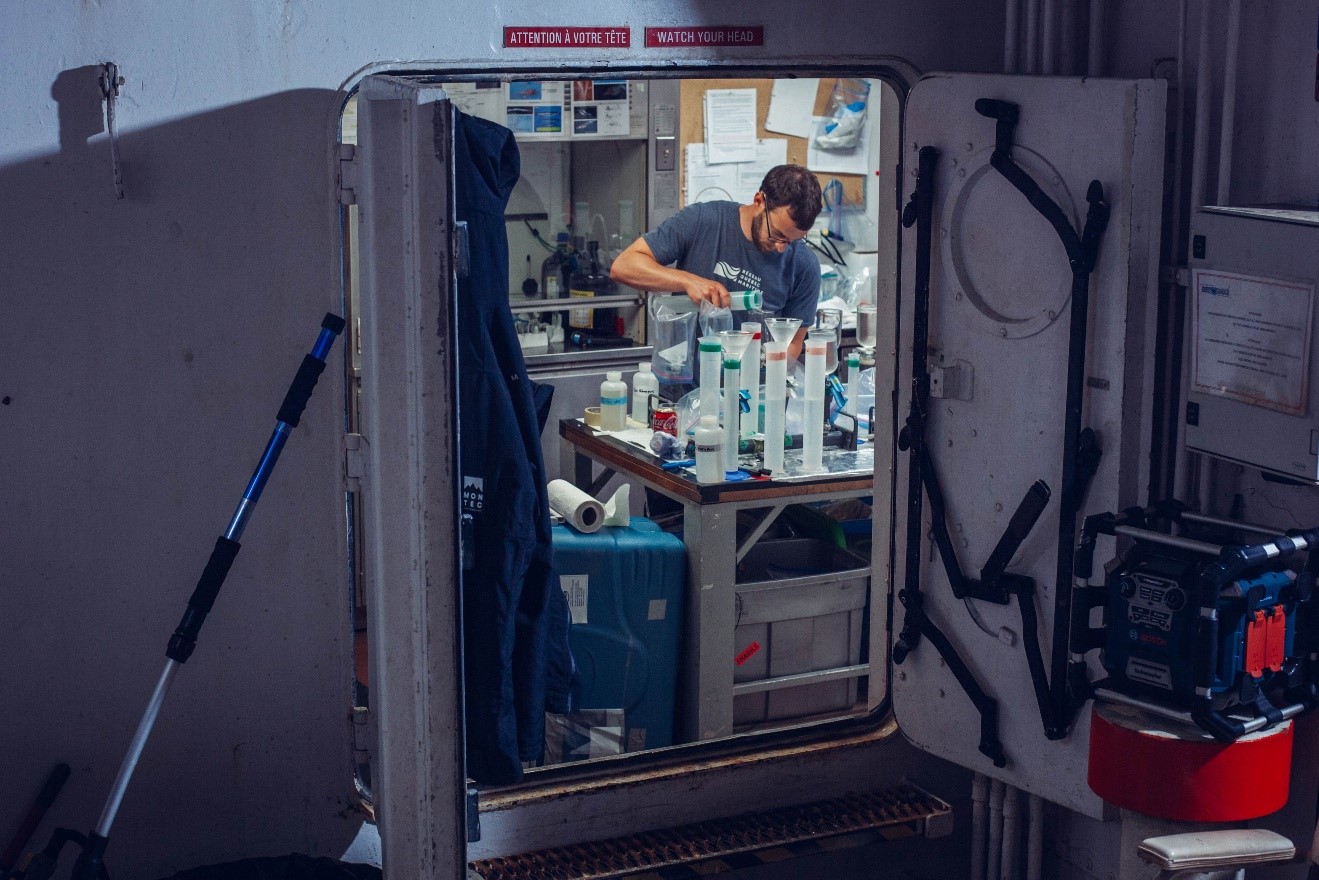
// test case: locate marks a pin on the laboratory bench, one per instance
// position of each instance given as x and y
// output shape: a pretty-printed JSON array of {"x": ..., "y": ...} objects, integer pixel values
[{"x": 773, "y": 627}]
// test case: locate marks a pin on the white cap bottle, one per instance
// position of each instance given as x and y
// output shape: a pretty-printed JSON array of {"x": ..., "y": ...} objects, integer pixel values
[
  {"x": 709, "y": 451},
  {"x": 644, "y": 384},
  {"x": 613, "y": 402}
]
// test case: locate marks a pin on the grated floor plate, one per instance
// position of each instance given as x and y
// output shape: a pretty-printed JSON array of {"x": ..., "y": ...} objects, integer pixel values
[{"x": 712, "y": 847}]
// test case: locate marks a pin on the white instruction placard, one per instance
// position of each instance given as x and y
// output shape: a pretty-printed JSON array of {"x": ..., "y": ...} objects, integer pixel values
[
  {"x": 576, "y": 589},
  {"x": 730, "y": 126},
  {"x": 1252, "y": 339}
]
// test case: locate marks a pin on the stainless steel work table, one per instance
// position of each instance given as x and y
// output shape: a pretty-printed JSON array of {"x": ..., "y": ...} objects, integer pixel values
[{"x": 713, "y": 552}]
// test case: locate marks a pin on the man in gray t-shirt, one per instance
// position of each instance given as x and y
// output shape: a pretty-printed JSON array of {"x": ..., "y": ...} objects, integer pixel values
[{"x": 715, "y": 247}]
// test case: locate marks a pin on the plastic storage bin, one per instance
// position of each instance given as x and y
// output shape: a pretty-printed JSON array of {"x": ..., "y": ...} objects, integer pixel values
[
  {"x": 800, "y": 608},
  {"x": 625, "y": 589}
]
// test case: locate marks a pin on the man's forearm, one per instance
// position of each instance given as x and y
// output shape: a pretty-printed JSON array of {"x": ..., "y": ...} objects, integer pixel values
[
  {"x": 642, "y": 272},
  {"x": 638, "y": 268}
]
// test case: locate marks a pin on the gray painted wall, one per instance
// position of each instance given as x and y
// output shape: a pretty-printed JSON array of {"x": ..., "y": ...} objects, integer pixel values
[{"x": 146, "y": 344}]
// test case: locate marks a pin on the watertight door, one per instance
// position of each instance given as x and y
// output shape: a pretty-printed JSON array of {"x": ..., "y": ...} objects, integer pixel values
[
  {"x": 407, "y": 247},
  {"x": 1000, "y": 331}
]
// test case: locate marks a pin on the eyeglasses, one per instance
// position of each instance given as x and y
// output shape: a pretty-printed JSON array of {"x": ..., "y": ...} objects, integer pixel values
[{"x": 774, "y": 237}]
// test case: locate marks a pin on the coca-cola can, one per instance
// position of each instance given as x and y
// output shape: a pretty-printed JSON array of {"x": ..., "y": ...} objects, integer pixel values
[{"x": 665, "y": 419}]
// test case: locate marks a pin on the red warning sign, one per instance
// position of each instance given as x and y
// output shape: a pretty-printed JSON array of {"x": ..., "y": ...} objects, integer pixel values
[
  {"x": 675, "y": 37},
  {"x": 567, "y": 38}
]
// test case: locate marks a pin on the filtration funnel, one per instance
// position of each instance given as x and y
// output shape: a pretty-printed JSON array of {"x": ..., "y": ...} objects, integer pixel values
[
  {"x": 734, "y": 343},
  {"x": 782, "y": 329}
]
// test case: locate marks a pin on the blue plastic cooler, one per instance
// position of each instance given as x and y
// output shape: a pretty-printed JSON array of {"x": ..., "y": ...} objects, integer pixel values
[{"x": 625, "y": 587}]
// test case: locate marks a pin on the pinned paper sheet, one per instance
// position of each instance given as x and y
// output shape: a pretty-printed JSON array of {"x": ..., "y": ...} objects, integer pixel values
[
  {"x": 736, "y": 181},
  {"x": 791, "y": 105},
  {"x": 730, "y": 125}
]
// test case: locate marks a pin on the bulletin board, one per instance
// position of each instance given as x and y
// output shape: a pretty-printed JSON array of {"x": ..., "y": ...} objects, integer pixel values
[{"x": 692, "y": 104}]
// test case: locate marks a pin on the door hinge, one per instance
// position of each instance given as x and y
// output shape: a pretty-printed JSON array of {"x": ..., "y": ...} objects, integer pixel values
[
  {"x": 1179, "y": 275},
  {"x": 473, "y": 814},
  {"x": 462, "y": 249},
  {"x": 354, "y": 460},
  {"x": 951, "y": 381},
  {"x": 366, "y": 735},
  {"x": 347, "y": 174}
]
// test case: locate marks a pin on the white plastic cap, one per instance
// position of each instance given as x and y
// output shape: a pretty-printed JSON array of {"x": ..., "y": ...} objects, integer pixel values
[
  {"x": 614, "y": 376},
  {"x": 644, "y": 366},
  {"x": 709, "y": 421}
]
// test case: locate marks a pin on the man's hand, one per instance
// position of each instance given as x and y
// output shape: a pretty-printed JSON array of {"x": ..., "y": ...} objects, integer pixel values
[
  {"x": 637, "y": 267},
  {"x": 701, "y": 290}
]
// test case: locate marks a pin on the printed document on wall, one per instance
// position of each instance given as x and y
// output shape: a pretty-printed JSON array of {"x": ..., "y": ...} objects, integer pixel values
[
  {"x": 483, "y": 99},
  {"x": 730, "y": 125},
  {"x": 536, "y": 109},
  {"x": 600, "y": 107},
  {"x": 736, "y": 181},
  {"x": 791, "y": 106},
  {"x": 1252, "y": 339}
]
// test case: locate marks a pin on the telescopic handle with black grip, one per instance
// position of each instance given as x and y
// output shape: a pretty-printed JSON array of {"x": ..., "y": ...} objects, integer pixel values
[{"x": 184, "y": 639}]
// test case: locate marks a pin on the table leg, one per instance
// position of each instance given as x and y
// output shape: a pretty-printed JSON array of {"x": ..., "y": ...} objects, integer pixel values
[
  {"x": 574, "y": 466},
  {"x": 710, "y": 533}
]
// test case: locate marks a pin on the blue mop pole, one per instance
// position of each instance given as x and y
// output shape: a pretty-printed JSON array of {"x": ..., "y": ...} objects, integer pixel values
[{"x": 90, "y": 864}]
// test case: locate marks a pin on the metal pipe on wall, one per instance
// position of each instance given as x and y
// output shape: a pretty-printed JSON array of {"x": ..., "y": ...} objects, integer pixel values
[
  {"x": 1174, "y": 335},
  {"x": 1094, "y": 58},
  {"x": 1011, "y": 35},
  {"x": 1200, "y": 148},
  {"x": 1049, "y": 38},
  {"x": 1192, "y": 480},
  {"x": 995, "y": 847},
  {"x": 1030, "y": 64},
  {"x": 1067, "y": 37},
  {"x": 979, "y": 824},
  {"x": 1227, "y": 123},
  {"x": 1035, "y": 839},
  {"x": 1011, "y": 833}
]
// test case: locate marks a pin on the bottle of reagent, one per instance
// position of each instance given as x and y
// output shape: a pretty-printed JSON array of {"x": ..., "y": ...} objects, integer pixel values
[
  {"x": 644, "y": 384},
  {"x": 709, "y": 451},
  {"x": 613, "y": 402}
]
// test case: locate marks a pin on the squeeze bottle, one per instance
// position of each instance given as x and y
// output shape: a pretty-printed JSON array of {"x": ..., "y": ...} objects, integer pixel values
[{"x": 613, "y": 402}]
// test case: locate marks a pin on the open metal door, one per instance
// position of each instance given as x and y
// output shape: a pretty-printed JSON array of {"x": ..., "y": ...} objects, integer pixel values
[
  {"x": 1000, "y": 331},
  {"x": 403, "y": 189}
]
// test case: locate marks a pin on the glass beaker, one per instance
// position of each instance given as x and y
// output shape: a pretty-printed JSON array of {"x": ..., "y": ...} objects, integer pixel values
[{"x": 867, "y": 331}]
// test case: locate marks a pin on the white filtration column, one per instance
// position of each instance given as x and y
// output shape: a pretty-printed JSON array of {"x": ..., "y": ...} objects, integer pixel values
[
  {"x": 776, "y": 386},
  {"x": 812, "y": 428},
  {"x": 709, "y": 365},
  {"x": 751, "y": 376},
  {"x": 732, "y": 412},
  {"x": 853, "y": 382},
  {"x": 734, "y": 344}
]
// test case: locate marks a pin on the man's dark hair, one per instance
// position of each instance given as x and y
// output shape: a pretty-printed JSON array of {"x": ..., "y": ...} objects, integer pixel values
[{"x": 795, "y": 187}]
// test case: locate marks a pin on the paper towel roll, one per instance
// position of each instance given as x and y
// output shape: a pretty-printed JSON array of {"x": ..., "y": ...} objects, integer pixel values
[{"x": 580, "y": 510}]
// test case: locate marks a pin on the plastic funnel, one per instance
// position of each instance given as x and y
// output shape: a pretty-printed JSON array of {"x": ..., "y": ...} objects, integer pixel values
[
  {"x": 734, "y": 343},
  {"x": 782, "y": 329}
]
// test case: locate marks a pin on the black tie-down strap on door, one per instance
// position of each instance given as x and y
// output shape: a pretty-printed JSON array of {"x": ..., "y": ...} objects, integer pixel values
[
  {"x": 920, "y": 211},
  {"x": 1081, "y": 451}
]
